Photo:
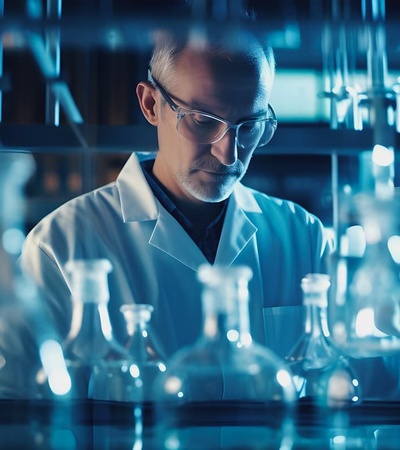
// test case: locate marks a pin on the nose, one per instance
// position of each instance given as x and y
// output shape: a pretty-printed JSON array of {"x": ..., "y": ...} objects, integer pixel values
[{"x": 225, "y": 150}]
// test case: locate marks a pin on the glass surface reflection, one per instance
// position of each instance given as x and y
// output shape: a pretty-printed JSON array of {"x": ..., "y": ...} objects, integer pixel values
[{"x": 364, "y": 307}]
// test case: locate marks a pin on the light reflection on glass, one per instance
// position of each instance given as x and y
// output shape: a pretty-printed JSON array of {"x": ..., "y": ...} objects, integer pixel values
[
  {"x": 382, "y": 156},
  {"x": 53, "y": 362},
  {"x": 353, "y": 243},
  {"x": 365, "y": 324},
  {"x": 232, "y": 335},
  {"x": 283, "y": 377},
  {"x": 394, "y": 248}
]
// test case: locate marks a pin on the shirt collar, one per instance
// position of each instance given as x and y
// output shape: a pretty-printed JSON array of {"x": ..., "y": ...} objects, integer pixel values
[
  {"x": 139, "y": 202},
  {"x": 168, "y": 203}
]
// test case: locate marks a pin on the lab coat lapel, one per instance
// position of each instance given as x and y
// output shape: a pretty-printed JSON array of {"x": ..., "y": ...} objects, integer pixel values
[
  {"x": 170, "y": 237},
  {"x": 138, "y": 204},
  {"x": 238, "y": 228}
]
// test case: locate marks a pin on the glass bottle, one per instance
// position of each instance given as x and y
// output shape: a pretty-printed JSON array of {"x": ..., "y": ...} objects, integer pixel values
[
  {"x": 100, "y": 368},
  {"x": 225, "y": 377},
  {"x": 320, "y": 373},
  {"x": 142, "y": 345}
]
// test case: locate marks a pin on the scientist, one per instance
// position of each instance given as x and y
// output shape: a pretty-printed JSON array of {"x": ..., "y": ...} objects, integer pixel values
[{"x": 164, "y": 217}]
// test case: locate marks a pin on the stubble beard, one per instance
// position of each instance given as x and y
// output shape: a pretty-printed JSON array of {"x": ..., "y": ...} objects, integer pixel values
[{"x": 212, "y": 192}]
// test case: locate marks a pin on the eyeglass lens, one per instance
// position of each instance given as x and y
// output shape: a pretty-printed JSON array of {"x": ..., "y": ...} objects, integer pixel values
[{"x": 204, "y": 129}]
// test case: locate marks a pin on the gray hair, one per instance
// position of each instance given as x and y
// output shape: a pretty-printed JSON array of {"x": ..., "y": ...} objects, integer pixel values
[{"x": 168, "y": 47}]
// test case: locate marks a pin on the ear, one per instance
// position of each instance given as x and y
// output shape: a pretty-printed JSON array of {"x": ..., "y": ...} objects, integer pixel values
[{"x": 146, "y": 95}]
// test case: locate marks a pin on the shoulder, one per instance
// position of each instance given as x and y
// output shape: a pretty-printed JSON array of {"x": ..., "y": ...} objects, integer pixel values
[
  {"x": 76, "y": 218},
  {"x": 274, "y": 208}
]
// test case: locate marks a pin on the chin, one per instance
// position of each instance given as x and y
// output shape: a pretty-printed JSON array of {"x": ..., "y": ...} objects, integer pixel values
[
  {"x": 209, "y": 192},
  {"x": 211, "y": 196}
]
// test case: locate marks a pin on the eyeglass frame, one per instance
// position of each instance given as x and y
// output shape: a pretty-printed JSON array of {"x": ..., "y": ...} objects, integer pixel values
[{"x": 179, "y": 116}]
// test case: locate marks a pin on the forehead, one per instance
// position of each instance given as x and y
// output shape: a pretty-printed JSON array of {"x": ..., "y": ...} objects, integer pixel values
[{"x": 223, "y": 80}]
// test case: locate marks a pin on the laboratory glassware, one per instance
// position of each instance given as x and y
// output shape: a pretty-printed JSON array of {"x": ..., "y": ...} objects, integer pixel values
[
  {"x": 143, "y": 346},
  {"x": 321, "y": 373},
  {"x": 364, "y": 300},
  {"x": 100, "y": 367},
  {"x": 225, "y": 376}
]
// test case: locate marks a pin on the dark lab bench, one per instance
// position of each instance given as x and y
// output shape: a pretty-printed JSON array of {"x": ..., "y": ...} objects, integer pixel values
[{"x": 86, "y": 424}]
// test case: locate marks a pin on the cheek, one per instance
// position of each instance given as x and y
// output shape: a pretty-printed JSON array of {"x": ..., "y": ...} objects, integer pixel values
[
  {"x": 245, "y": 156},
  {"x": 168, "y": 137}
]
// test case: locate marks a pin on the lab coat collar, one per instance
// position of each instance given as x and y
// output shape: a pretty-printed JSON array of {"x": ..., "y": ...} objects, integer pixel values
[
  {"x": 138, "y": 203},
  {"x": 238, "y": 227},
  {"x": 137, "y": 199},
  {"x": 245, "y": 200}
]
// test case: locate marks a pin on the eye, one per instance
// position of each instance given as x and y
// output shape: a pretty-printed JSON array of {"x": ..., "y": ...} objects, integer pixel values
[
  {"x": 251, "y": 127},
  {"x": 201, "y": 120}
]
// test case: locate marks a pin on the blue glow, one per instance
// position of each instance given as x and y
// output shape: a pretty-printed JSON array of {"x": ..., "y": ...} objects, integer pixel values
[
  {"x": 12, "y": 240},
  {"x": 53, "y": 362}
]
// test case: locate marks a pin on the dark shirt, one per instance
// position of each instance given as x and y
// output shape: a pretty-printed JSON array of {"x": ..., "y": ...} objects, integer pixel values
[{"x": 209, "y": 240}]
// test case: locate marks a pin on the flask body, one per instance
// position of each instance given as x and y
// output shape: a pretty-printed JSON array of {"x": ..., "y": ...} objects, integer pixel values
[
  {"x": 100, "y": 368},
  {"x": 320, "y": 372},
  {"x": 225, "y": 379},
  {"x": 364, "y": 318}
]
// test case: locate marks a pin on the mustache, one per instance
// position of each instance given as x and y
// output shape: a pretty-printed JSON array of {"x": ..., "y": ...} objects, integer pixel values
[{"x": 213, "y": 165}]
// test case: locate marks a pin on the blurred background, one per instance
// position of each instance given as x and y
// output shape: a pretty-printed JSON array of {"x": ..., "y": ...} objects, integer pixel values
[{"x": 68, "y": 72}]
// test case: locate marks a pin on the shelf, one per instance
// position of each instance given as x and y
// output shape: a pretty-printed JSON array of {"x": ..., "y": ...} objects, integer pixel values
[{"x": 109, "y": 139}]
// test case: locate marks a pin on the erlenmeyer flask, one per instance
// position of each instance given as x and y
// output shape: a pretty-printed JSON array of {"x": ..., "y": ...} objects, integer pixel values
[
  {"x": 100, "y": 368},
  {"x": 320, "y": 373},
  {"x": 142, "y": 346},
  {"x": 224, "y": 376}
]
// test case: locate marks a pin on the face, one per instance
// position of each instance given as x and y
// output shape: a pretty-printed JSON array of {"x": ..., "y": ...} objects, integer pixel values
[{"x": 234, "y": 90}]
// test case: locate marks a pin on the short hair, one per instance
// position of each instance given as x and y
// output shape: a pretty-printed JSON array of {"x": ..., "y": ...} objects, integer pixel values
[{"x": 169, "y": 45}]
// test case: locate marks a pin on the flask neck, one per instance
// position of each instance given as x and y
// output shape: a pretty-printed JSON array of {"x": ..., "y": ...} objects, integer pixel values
[
  {"x": 226, "y": 316},
  {"x": 91, "y": 318},
  {"x": 90, "y": 295},
  {"x": 91, "y": 333},
  {"x": 316, "y": 323},
  {"x": 137, "y": 318},
  {"x": 315, "y": 300}
]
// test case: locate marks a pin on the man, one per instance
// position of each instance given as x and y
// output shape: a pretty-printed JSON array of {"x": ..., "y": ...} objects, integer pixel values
[{"x": 162, "y": 219}]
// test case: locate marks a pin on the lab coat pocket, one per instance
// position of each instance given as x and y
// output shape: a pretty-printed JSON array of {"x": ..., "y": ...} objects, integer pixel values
[{"x": 283, "y": 326}]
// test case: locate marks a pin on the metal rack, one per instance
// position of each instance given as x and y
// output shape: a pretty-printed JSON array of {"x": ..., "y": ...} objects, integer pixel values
[{"x": 60, "y": 95}]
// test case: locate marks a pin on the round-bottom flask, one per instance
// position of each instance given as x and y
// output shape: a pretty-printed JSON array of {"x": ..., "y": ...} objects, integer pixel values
[{"x": 224, "y": 378}]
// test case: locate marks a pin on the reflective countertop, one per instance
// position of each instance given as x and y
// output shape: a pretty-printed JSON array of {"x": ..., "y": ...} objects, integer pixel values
[{"x": 91, "y": 424}]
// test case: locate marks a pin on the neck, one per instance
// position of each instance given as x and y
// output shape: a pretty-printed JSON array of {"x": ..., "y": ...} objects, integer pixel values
[{"x": 199, "y": 213}]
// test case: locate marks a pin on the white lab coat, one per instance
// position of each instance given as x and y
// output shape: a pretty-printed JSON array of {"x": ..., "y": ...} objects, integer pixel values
[{"x": 155, "y": 261}]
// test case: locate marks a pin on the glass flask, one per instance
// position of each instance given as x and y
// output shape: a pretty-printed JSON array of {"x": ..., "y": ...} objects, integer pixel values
[
  {"x": 24, "y": 323},
  {"x": 142, "y": 345},
  {"x": 100, "y": 368},
  {"x": 15, "y": 170},
  {"x": 224, "y": 378},
  {"x": 364, "y": 301},
  {"x": 320, "y": 373}
]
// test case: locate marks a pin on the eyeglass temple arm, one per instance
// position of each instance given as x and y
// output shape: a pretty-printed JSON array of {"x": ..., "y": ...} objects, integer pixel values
[
  {"x": 163, "y": 92},
  {"x": 174, "y": 106}
]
